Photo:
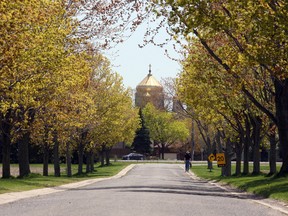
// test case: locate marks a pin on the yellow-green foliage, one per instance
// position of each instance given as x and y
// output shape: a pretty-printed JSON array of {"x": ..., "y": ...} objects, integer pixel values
[
  {"x": 47, "y": 68},
  {"x": 163, "y": 128}
]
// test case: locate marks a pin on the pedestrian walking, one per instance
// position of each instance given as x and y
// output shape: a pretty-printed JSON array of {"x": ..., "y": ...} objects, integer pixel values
[{"x": 187, "y": 160}]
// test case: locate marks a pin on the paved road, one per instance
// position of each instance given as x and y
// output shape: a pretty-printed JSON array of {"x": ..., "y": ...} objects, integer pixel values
[{"x": 147, "y": 190}]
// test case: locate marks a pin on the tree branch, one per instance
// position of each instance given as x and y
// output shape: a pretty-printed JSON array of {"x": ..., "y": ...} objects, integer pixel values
[{"x": 259, "y": 106}]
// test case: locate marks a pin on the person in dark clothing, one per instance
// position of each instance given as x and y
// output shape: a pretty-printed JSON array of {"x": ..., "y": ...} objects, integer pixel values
[{"x": 187, "y": 159}]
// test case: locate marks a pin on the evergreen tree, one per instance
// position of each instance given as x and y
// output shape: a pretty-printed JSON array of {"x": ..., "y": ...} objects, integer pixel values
[{"x": 142, "y": 141}]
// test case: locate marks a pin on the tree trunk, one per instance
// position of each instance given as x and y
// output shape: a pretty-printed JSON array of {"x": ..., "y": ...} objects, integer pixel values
[
  {"x": 46, "y": 152},
  {"x": 92, "y": 161},
  {"x": 247, "y": 144},
  {"x": 272, "y": 158},
  {"x": 272, "y": 155},
  {"x": 246, "y": 158},
  {"x": 238, "y": 149},
  {"x": 68, "y": 160},
  {"x": 162, "y": 150},
  {"x": 256, "y": 123},
  {"x": 57, "y": 171},
  {"x": 88, "y": 162},
  {"x": 226, "y": 171},
  {"x": 281, "y": 101},
  {"x": 81, "y": 146},
  {"x": 23, "y": 155},
  {"x": 102, "y": 157},
  {"x": 6, "y": 156},
  {"x": 209, "y": 149},
  {"x": 80, "y": 157},
  {"x": 6, "y": 143},
  {"x": 220, "y": 150},
  {"x": 192, "y": 140},
  {"x": 107, "y": 153},
  {"x": 45, "y": 159},
  {"x": 23, "y": 143}
]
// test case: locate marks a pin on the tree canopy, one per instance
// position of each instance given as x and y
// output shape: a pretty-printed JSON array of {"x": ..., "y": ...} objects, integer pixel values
[
  {"x": 253, "y": 51},
  {"x": 164, "y": 129},
  {"x": 57, "y": 90}
]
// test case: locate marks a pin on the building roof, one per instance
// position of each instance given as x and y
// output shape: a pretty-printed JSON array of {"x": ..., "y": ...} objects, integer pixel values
[{"x": 149, "y": 81}]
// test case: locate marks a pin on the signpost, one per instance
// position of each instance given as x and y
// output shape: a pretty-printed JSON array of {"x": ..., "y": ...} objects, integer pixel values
[
  {"x": 220, "y": 157},
  {"x": 211, "y": 158}
]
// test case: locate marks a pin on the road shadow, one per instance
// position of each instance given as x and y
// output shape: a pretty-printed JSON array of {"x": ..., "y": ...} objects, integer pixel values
[{"x": 192, "y": 190}]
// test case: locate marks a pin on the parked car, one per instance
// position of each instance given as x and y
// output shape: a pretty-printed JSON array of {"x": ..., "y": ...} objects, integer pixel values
[{"x": 133, "y": 156}]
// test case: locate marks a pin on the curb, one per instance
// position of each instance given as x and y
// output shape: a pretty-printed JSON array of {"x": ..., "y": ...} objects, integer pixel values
[
  {"x": 14, "y": 196},
  {"x": 271, "y": 203}
]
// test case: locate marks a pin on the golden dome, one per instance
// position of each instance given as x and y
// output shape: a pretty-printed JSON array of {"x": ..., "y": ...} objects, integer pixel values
[{"x": 149, "y": 82}]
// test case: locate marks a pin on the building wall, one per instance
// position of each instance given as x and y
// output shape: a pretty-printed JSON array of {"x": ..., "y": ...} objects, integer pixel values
[
  {"x": 170, "y": 156},
  {"x": 152, "y": 95}
]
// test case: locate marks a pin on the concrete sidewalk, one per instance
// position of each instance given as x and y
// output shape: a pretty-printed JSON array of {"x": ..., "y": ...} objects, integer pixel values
[{"x": 14, "y": 196}]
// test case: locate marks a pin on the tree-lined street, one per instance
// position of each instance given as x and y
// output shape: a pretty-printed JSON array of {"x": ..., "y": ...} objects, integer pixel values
[
  {"x": 62, "y": 104},
  {"x": 147, "y": 189}
]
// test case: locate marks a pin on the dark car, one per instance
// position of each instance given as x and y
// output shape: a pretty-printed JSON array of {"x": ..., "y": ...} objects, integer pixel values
[{"x": 133, "y": 156}]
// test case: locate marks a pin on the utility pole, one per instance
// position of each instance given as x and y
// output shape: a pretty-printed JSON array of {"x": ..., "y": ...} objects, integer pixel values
[{"x": 192, "y": 140}]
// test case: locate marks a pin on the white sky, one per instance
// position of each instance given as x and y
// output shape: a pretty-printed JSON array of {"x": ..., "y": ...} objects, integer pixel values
[{"x": 132, "y": 62}]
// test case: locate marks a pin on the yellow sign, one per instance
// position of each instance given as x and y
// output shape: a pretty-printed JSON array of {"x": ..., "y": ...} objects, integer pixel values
[
  {"x": 211, "y": 157},
  {"x": 220, "y": 157}
]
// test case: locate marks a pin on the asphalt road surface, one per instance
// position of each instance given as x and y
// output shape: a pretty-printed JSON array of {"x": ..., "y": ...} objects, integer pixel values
[{"x": 146, "y": 190}]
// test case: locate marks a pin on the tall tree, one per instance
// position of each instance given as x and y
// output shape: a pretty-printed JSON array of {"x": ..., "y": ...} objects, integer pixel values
[
  {"x": 257, "y": 34},
  {"x": 216, "y": 100},
  {"x": 29, "y": 60},
  {"x": 164, "y": 129},
  {"x": 142, "y": 142}
]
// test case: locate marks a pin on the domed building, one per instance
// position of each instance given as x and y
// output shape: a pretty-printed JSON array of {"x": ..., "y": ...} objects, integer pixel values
[{"x": 149, "y": 90}]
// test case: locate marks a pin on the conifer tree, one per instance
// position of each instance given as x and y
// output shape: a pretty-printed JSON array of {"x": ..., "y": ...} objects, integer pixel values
[{"x": 142, "y": 141}]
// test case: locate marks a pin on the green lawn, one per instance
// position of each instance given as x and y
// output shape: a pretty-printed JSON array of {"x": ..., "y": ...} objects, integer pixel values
[
  {"x": 276, "y": 188},
  {"x": 36, "y": 180}
]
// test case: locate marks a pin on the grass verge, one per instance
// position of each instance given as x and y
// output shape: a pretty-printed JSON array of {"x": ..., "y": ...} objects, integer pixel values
[
  {"x": 269, "y": 187},
  {"x": 36, "y": 180}
]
